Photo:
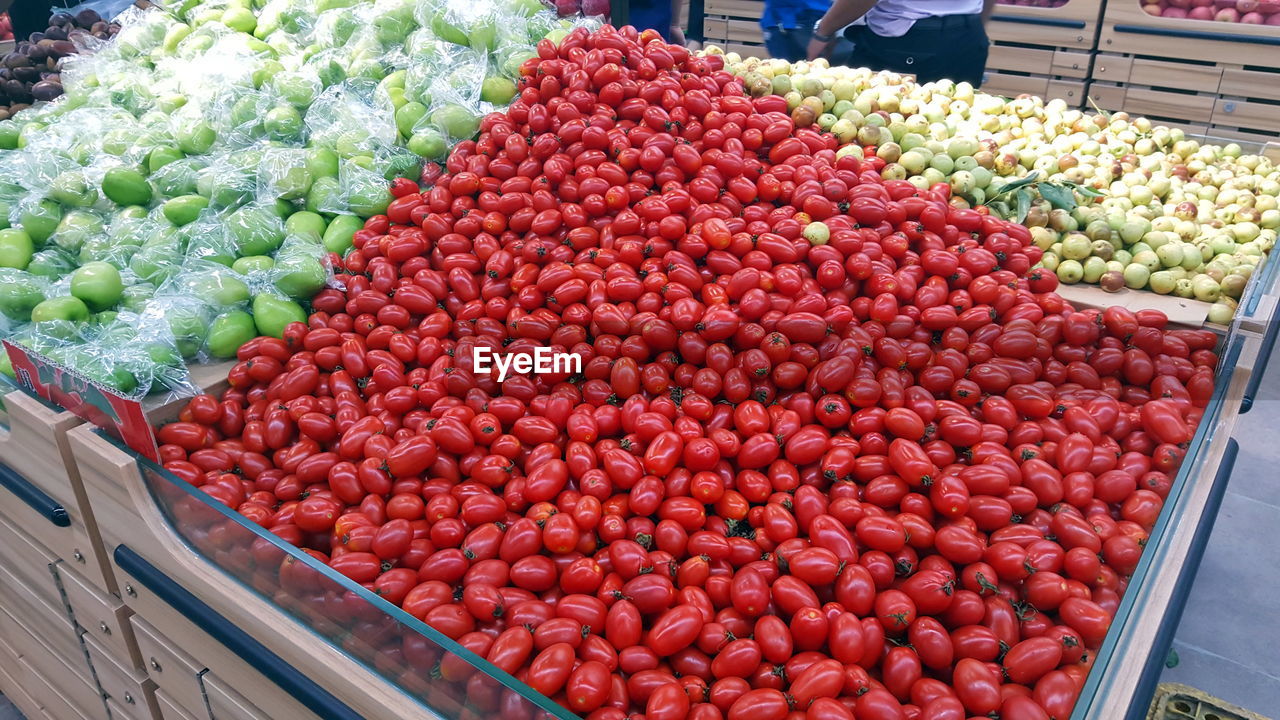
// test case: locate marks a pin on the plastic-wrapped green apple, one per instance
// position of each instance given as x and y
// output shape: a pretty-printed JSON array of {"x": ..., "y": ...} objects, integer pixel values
[
  {"x": 498, "y": 90},
  {"x": 252, "y": 264},
  {"x": 197, "y": 138},
  {"x": 1070, "y": 271},
  {"x": 456, "y": 121},
  {"x": 283, "y": 122},
  {"x": 304, "y": 223},
  {"x": 73, "y": 189},
  {"x": 68, "y": 308},
  {"x": 428, "y": 143}
]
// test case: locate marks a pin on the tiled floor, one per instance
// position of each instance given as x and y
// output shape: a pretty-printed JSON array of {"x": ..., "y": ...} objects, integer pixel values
[{"x": 1229, "y": 641}]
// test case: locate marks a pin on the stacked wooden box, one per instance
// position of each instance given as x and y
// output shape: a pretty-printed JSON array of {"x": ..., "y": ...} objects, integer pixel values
[
  {"x": 1220, "y": 79},
  {"x": 735, "y": 26},
  {"x": 1042, "y": 50}
]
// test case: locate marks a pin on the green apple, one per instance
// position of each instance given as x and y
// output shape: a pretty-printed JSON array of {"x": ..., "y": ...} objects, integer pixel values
[
  {"x": 60, "y": 308},
  {"x": 271, "y": 314},
  {"x": 16, "y": 248},
  {"x": 98, "y": 284},
  {"x": 126, "y": 186}
]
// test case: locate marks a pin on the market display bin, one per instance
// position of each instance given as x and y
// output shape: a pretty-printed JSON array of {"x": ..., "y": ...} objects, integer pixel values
[
  {"x": 40, "y": 490},
  {"x": 1127, "y": 28},
  {"x": 1041, "y": 47},
  {"x": 1223, "y": 74},
  {"x": 210, "y": 579},
  {"x": 289, "y": 635},
  {"x": 735, "y": 26},
  {"x": 1058, "y": 23}
]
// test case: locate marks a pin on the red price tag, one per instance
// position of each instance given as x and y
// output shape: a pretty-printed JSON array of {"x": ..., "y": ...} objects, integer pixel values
[{"x": 119, "y": 415}]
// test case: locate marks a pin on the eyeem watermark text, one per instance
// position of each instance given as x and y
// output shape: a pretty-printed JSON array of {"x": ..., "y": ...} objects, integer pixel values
[{"x": 541, "y": 361}]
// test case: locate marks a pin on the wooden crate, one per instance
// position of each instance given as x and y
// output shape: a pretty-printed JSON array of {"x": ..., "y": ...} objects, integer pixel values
[
  {"x": 1035, "y": 60},
  {"x": 1073, "y": 25},
  {"x": 722, "y": 30},
  {"x": 1232, "y": 98},
  {"x": 734, "y": 22},
  {"x": 1010, "y": 85},
  {"x": 1049, "y": 72},
  {"x": 746, "y": 50},
  {"x": 1127, "y": 29}
]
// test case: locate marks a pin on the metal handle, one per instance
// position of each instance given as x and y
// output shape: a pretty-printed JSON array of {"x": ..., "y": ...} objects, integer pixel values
[
  {"x": 272, "y": 666},
  {"x": 1197, "y": 35},
  {"x": 1150, "y": 676},
  {"x": 1046, "y": 22},
  {"x": 1260, "y": 366},
  {"x": 33, "y": 496}
]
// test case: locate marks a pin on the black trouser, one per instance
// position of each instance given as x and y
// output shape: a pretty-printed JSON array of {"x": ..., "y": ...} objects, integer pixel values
[
  {"x": 951, "y": 47},
  {"x": 30, "y": 16}
]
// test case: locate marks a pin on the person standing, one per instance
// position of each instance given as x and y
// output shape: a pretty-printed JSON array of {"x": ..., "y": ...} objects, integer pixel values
[
  {"x": 931, "y": 39},
  {"x": 788, "y": 28},
  {"x": 660, "y": 15}
]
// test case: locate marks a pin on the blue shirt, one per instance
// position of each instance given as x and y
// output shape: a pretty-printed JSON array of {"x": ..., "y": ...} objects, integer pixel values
[{"x": 792, "y": 14}]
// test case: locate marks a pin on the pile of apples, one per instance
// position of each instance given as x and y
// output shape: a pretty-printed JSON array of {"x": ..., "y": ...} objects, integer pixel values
[
  {"x": 1247, "y": 12},
  {"x": 1113, "y": 200}
]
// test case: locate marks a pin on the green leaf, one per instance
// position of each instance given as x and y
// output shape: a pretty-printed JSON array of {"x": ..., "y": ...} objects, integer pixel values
[
  {"x": 1059, "y": 197},
  {"x": 999, "y": 208},
  {"x": 1027, "y": 179},
  {"x": 1089, "y": 192},
  {"x": 1024, "y": 203}
]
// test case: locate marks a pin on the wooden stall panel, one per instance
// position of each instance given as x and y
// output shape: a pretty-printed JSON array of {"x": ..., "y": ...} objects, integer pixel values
[
  {"x": 1179, "y": 75},
  {"x": 30, "y": 562},
  {"x": 1127, "y": 29},
  {"x": 104, "y": 617},
  {"x": 131, "y": 691},
  {"x": 35, "y": 445},
  {"x": 1010, "y": 85},
  {"x": 73, "y": 543},
  {"x": 1247, "y": 114},
  {"x": 50, "y": 623},
  {"x": 1238, "y": 82},
  {"x": 227, "y": 704},
  {"x": 64, "y": 702},
  {"x": 1070, "y": 63},
  {"x": 171, "y": 709},
  {"x": 40, "y": 660},
  {"x": 173, "y": 669}
]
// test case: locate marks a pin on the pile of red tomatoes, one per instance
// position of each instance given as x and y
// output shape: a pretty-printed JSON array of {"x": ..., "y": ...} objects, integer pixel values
[{"x": 864, "y": 470}]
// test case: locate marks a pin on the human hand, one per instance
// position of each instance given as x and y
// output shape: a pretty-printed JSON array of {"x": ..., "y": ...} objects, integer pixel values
[
  {"x": 675, "y": 35},
  {"x": 818, "y": 48}
]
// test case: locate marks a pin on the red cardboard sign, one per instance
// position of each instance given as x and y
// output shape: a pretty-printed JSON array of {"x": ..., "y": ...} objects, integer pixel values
[{"x": 119, "y": 415}]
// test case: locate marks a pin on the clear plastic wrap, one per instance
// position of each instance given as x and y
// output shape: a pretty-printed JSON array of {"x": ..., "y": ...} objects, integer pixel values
[{"x": 207, "y": 159}]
